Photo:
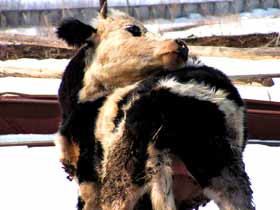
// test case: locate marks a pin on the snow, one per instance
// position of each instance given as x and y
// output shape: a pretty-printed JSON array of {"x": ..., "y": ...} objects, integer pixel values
[
  {"x": 230, "y": 66},
  {"x": 245, "y": 67},
  {"x": 28, "y": 63},
  {"x": 36, "y": 86},
  {"x": 195, "y": 16},
  {"x": 242, "y": 67},
  {"x": 261, "y": 93},
  {"x": 233, "y": 25},
  {"x": 31, "y": 31},
  {"x": 261, "y": 12},
  {"x": 32, "y": 178},
  {"x": 255, "y": 21},
  {"x": 33, "y": 86}
]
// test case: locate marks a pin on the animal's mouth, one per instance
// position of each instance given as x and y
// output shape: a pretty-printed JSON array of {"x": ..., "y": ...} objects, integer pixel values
[
  {"x": 175, "y": 59},
  {"x": 181, "y": 54}
]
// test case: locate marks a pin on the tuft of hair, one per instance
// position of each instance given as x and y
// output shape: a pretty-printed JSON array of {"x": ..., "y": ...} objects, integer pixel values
[{"x": 74, "y": 32}]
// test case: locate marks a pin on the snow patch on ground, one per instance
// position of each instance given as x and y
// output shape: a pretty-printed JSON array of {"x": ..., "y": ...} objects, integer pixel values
[
  {"x": 29, "y": 63},
  {"x": 255, "y": 21},
  {"x": 239, "y": 67},
  {"x": 240, "y": 26},
  {"x": 34, "y": 177}
]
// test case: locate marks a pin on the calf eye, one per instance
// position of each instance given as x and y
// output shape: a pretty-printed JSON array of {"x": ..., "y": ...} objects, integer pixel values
[{"x": 134, "y": 30}]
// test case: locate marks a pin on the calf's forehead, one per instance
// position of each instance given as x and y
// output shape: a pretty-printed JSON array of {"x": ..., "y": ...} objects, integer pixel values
[{"x": 117, "y": 22}]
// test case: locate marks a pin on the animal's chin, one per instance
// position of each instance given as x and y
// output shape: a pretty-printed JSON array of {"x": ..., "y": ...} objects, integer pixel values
[{"x": 173, "y": 61}]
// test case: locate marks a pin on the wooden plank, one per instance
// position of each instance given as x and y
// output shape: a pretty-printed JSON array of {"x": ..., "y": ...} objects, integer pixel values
[
  {"x": 254, "y": 76},
  {"x": 185, "y": 26},
  {"x": 254, "y": 81},
  {"x": 265, "y": 80},
  {"x": 231, "y": 52},
  {"x": 57, "y": 73},
  {"x": 14, "y": 39}
]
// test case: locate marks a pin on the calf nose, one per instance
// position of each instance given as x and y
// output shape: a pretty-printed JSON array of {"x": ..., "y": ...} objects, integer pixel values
[{"x": 183, "y": 50}]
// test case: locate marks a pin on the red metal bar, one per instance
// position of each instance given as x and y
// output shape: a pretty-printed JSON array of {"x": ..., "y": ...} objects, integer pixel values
[
  {"x": 41, "y": 115},
  {"x": 24, "y": 115}
]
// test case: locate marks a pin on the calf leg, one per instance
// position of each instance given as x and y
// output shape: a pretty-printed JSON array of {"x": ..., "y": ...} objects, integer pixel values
[
  {"x": 160, "y": 180},
  {"x": 75, "y": 166},
  {"x": 89, "y": 195},
  {"x": 68, "y": 154},
  {"x": 231, "y": 190}
]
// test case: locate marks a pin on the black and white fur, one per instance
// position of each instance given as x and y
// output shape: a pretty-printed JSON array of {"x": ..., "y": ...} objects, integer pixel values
[
  {"x": 195, "y": 114},
  {"x": 126, "y": 139}
]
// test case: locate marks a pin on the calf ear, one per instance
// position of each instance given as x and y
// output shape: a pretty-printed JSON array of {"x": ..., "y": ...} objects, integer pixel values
[{"x": 74, "y": 32}]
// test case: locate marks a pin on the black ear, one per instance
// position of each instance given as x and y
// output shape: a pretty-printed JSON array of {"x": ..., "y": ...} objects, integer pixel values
[{"x": 74, "y": 32}]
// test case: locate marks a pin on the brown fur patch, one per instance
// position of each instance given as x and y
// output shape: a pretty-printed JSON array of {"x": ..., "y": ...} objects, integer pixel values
[
  {"x": 120, "y": 59},
  {"x": 68, "y": 150},
  {"x": 105, "y": 121},
  {"x": 89, "y": 193}
]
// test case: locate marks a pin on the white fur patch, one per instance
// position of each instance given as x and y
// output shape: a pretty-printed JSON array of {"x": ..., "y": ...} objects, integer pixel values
[{"x": 194, "y": 61}]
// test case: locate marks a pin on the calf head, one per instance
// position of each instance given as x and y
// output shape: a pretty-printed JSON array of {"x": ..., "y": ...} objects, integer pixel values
[{"x": 120, "y": 51}]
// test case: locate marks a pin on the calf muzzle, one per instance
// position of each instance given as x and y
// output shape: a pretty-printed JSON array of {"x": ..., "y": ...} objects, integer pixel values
[{"x": 183, "y": 50}]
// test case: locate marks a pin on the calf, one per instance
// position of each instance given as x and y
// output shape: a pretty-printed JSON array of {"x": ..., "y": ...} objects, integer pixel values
[
  {"x": 130, "y": 109},
  {"x": 117, "y": 52}
]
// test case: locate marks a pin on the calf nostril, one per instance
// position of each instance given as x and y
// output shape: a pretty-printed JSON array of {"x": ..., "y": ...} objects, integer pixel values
[{"x": 182, "y": 49}]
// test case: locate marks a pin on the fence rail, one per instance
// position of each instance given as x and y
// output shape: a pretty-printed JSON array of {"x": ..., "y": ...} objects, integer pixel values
[
  {"x": 7, "y": 5},
  {"x": 16, "y": 13}
]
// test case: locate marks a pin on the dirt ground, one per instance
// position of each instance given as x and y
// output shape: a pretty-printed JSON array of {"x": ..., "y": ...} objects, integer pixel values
[{"x": 42, "y": 52}]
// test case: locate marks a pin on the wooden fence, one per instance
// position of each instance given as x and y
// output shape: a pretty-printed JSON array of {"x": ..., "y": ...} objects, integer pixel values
[{"x": 17, "y": 13}]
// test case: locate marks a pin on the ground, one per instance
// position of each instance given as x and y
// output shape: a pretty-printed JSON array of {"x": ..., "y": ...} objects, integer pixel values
[{"x": 32, "y": 178}]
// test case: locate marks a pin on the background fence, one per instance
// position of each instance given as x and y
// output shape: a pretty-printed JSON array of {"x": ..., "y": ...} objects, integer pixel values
[{"x": 15, "y": 13}]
